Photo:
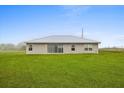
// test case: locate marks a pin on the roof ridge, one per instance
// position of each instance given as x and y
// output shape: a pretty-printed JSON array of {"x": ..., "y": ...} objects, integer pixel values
[{"x": 62, "y": 35}]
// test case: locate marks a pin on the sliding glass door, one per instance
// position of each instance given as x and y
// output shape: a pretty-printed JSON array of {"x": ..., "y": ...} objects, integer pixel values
[{"x": 55, "y": 48}]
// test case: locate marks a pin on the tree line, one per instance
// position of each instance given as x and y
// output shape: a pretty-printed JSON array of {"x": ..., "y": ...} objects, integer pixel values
[{"x": 20, "y": 46}]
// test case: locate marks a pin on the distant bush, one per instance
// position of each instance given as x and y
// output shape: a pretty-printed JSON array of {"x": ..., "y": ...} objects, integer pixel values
[
  {"x": 112, "y": 49},
  {"x": 20, "y": 46}
]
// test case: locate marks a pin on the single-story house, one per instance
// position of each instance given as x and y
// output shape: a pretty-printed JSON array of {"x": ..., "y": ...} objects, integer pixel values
[{"x": 63, "y": 44}]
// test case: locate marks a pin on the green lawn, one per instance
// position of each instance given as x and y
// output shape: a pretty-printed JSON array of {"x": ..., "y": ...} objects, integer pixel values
[{"x": 105, "y": 69}]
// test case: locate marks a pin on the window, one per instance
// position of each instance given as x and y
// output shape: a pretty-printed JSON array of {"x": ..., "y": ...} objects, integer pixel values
[
  {"x": 90, "y": 49},
  {"x": 60, "y": 49},
  {"x": 30, "y": 47},
  {"x": 55, "y": 48},
  {"x": 73, "y": 45},
  {"x": 86, "y": 49},
  {"x": 73, "y": 48}
]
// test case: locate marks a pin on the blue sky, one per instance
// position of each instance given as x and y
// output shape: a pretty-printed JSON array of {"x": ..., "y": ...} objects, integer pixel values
[{"x": 102, "y": 23}]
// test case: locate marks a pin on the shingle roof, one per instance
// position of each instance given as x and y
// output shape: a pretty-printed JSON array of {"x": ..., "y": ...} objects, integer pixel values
[{"x": 62, "y": 39}]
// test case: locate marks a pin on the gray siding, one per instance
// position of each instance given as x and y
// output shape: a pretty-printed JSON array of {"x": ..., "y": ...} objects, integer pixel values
[
  {"x": 37, "y": 49},
  {"x": 79, "y": 48}
]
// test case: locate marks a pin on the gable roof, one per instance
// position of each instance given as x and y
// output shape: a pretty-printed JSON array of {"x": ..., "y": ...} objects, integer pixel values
[{"x": 62, "y": 39}]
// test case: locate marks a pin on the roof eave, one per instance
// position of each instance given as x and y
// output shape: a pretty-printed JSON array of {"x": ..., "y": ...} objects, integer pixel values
[{"x": 60, "y": 42}]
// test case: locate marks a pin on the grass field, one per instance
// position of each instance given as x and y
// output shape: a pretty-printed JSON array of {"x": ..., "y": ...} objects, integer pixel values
[{"x": 105, "y": 69}]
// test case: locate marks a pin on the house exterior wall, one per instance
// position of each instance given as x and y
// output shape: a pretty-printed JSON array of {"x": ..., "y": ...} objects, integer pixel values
[
  {"x": 79, "y": 48},
  {"x": 37, "y": 49}
]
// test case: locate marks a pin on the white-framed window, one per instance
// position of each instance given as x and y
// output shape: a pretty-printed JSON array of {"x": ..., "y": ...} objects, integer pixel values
[
  {"x": 73, "y": 48},
  {"x": 88, "y": 47},
  {"x": 30, "y": 48}
]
